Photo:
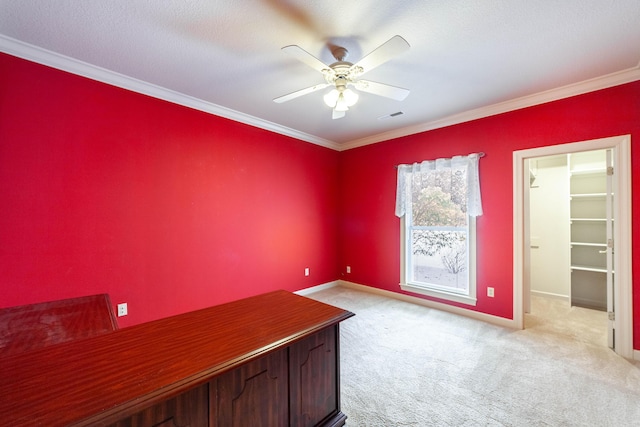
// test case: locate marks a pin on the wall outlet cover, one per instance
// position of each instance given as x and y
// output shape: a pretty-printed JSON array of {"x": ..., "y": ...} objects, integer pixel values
[{"x": 122, "y": 309}]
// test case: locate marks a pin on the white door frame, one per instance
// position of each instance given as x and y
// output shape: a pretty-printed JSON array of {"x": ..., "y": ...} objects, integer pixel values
[{"x": 621, "y": 147}]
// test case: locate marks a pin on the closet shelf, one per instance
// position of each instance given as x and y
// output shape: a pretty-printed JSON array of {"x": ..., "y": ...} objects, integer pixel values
[
  {"x": 589, "y": 219},
  {"x": 587, "y": 196},
  {"x": 589, "y": 268},
  {"x": 595, "y": 171}
]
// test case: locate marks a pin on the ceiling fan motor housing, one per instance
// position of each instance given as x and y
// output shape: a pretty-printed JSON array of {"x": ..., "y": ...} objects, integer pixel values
[{"x": 342, "y": 71}]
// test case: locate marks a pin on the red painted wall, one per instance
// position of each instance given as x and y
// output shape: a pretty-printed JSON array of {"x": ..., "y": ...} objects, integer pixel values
[
  {"x": 370, "y": 233},
  {"x": 171, "y": 209},
  {"x": 166, "y": 208}
]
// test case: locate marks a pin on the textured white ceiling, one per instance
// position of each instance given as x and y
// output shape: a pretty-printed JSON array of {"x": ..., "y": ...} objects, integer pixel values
[{"x": 467, "y": 58}]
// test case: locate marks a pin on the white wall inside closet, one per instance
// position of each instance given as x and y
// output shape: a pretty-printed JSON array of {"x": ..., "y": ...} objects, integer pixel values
[{"x": 550, "y": 229}]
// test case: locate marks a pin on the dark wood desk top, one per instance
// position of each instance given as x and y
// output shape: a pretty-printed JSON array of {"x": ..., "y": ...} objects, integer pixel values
[
  {"x": 29, "y": 327},
  {"x": 99, "y": 380}
]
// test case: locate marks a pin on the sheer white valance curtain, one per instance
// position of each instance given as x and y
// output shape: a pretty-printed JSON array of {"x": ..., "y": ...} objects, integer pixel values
[{"x": 470, "y": 163}]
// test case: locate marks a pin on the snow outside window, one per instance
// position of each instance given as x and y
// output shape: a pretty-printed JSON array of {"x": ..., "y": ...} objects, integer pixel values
[{"x": 438, "y": 202}]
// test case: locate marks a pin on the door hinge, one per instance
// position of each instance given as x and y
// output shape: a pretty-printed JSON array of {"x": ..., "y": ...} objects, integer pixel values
[
  {"x": 609, "y": 170},
  {"x": 612, "y": 315}
]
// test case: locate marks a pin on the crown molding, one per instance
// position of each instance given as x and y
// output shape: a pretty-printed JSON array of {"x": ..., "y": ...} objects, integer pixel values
[
  {"x": 61, "y": 62},
  {"x": 603, "y": 82},
  {"x": 46, "y": 57}
]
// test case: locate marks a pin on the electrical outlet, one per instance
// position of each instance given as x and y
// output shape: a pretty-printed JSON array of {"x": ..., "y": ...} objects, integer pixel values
[
  {"x": 490, "y": 292},
  {"x": 122, "y": 309},
  {"x": 348, "y": 269},
  {"x": 306, "y": 271}
]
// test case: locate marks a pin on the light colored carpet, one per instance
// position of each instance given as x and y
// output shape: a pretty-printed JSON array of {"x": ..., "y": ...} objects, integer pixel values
[
  {"x": 407, "y": 365},
  {"x": 555, "y": 316}
]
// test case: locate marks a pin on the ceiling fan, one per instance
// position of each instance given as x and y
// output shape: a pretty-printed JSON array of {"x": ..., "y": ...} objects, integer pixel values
[{"x": 342, "y": 74}]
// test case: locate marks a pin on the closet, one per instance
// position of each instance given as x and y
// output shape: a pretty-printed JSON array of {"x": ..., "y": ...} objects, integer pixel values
[
  {"x": 589, "y": 224},
  {"x": 572, "y": 235},
  {"x": 568, "y": 225}
]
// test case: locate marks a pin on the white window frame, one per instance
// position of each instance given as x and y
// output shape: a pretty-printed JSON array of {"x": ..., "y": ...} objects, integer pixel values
[{"x": 436, "y": 291}]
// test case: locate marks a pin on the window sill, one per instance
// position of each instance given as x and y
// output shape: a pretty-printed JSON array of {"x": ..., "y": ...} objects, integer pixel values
[{"x": 450, "y": 296}]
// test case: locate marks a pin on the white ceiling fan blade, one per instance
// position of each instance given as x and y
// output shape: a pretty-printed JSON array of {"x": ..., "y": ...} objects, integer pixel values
[
  {"x": 304, "y": 56},
  {"x": 382, "y": 89},
  {"x": 392, "y": 47},
  {"x": 301, "y": 92},
  {"x": 338, "y": 114}
]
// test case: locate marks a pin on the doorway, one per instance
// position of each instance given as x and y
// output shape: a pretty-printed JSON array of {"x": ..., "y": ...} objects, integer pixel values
[
  {"x": 568, "y": 253},
  {"x": 621, "y": 316}
]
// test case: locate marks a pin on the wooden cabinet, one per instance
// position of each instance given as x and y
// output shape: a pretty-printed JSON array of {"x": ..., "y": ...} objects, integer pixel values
[
  {"x": 255, "y": 394},
  {"x": 295, "y": 386},
  {"x": 268, "y": 360},
  {"x": 189, "y": 409},
  {"x": 313, "y": 379}
]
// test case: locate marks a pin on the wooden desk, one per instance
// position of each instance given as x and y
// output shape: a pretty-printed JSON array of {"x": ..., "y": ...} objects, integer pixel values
[{"x": 269, "y": 360}]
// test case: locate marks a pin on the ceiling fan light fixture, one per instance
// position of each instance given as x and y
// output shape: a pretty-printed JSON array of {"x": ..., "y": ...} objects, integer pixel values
[
  {"x": 350, "y": 97},
  {"x": 331, "y": 98},
  {"x": 341, "y": 100},
  {"x": 341, "y": 105}
]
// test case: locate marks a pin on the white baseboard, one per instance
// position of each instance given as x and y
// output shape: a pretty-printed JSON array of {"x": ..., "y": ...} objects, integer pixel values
[
  {"x": 495, "y": 320},
  {"x": 313, "y": 289},
  {"x": 550, "y": 295}
]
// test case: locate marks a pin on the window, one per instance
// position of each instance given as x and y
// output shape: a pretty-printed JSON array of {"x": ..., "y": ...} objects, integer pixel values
[{"x": 438, "y": 202}]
